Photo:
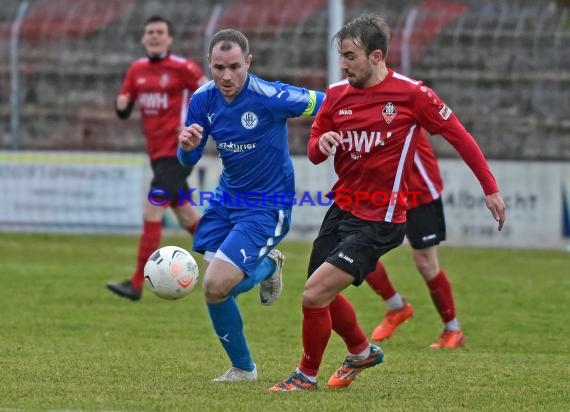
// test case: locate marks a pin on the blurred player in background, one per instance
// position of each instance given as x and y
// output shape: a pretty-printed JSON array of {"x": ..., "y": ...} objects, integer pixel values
[
  {"x": 162, "y": 84},
  {"x": 251, "y": 211},
  {"x": 425, "y": 229},
  {"x": 370, "y": 123}
]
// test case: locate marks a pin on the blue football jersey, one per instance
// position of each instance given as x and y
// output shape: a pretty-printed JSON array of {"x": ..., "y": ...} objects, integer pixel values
[{"x": 251, "y": 137}]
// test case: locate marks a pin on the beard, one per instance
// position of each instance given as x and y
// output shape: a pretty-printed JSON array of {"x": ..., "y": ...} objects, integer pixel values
[{"x": 359, "y": 82}]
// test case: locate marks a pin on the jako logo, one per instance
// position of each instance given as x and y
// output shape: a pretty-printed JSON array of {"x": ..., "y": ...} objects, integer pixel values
[
  {"x": 344, "y": 112},
  {"x": 153, "y": 100},
  {"x": 343, "y": 256}
]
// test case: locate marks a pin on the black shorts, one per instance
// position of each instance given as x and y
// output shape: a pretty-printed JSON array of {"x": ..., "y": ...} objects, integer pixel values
[
  {"x": 426, "y": 225},
  {"x": 353, "y": 244},
  {"x": 170, "y": 176}
]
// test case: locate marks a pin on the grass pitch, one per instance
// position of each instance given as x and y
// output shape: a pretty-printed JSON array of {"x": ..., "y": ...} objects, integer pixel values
[{"x": 66, "y": 343}]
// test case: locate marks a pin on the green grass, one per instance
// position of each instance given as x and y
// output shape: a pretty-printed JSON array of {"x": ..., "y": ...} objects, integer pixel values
[{"x": 67, "y": 344}]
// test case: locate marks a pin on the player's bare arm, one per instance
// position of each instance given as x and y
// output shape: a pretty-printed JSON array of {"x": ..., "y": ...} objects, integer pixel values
[
  {"x": 496, "y": 205},
  {"x": 190, "y": 137},
  {"x": 328, "y": 142}
]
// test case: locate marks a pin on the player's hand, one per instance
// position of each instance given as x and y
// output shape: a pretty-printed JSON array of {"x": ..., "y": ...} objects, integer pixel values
[
  {"x": 122, "y": 101},
  {"x": 328, "y": 142},
  {"x": 190, "y": 137},
  {"x": 496, "y": 205}
]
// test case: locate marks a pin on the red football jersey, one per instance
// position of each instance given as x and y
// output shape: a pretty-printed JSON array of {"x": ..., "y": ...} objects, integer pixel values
[
  {"x": 425, "y": 183},
  {"x": 162, "y": 89},
  {"x": 379, "y": 127}
]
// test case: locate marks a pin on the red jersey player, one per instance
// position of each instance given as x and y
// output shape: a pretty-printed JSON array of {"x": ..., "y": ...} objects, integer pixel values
[
  {"x": 370, "y": 122},
  {"x": 162, "y": 84},
  {"x": 425, "y": 229}
]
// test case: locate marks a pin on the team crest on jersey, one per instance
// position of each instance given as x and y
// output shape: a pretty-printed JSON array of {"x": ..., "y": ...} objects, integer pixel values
[
  {"x": 389, "y": 112},
  {"x": 249, "y": 120},
  {"x": 445, "y": 112},
  {"x": 164, "y": 79}
]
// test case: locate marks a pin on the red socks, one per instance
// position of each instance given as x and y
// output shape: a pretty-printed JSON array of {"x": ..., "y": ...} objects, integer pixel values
[
  {"x": 380, "y": 283},
  {"x": 440, "y": 291},
  {"x": 317, "y": 326},
  {"x": 344, "y": 323},
  {"x": 149, "y": 242},
  {"x": 439, "y": 288}
]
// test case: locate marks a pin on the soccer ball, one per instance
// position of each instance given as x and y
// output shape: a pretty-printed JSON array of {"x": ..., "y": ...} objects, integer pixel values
[{"x": 171, "y": 272}]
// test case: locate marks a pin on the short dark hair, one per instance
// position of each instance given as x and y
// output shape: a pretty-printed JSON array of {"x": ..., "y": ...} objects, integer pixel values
[
  {"x": 228, "y": 36},
  {"x": 370, "y": 30},
  {"x": 159, "y": 19}
]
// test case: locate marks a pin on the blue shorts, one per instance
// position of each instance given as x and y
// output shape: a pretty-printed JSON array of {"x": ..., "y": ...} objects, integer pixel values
[{"x": 244, "y": 235}]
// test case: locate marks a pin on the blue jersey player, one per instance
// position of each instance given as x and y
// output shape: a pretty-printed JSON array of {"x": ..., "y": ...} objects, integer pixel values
[{"x": 250, "y": 213}]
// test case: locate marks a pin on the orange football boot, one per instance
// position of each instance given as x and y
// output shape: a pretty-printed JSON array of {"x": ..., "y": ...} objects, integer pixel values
[
  {"x": 392, "y": 319},
  {"x": 350, "y": 368},
  {"x": 296, "y": 383},
  {"x": 449, "y": 339}
]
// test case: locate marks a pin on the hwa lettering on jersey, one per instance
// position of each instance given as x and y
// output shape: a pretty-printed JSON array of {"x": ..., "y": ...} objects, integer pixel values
[
  {"x": 153, "y": 101},
  {"x": 362, "y": 141},
  {"x": 389, "y": 112}
]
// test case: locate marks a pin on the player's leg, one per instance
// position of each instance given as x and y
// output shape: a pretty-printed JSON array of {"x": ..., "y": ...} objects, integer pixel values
[
  {"x": 399, "y": 310},
  {"x": 442, "y": 296},
  {"x": 317, "y": 322},
  {"x": 187, "y": 214},
  {"x": 221, "y": 275},
  {"x": 240, "y": 263},
  {"x": 219, "y": 279},
  {"x": 342, "y": 241},
  {"x": 315, "y": 341},
  {"x": 255, "y": 235},
  {"x": 364, "y": 242},
  {"x": 426, "y": 229},
  {"x": 149, "y": 241},
  {"x": 320, "y": 290}
]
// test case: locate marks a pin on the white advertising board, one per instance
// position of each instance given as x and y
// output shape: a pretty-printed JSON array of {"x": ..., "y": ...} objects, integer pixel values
[
  {"x": 71, "y": 192},
  {"x": 533, "y": 195},
  {"x": 105, "y": 193}
]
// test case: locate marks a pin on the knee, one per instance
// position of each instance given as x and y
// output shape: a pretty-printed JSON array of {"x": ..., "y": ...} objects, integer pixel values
[
  {"x": 214, "y": 291},
  {"x": 428, "y": 268},
  {"x": 313, "y": 299},
  {"x": 186, "y": 215},
  {"x": 153, "y": 214},
  {"x": 185, "y": 220}
]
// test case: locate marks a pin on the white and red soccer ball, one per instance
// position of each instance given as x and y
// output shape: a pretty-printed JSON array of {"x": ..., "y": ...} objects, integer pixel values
[{"x": 171, "y": 272}]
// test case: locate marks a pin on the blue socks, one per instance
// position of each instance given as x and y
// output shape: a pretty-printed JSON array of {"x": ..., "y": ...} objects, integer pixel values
[
  {"x": 265, "y": 269},
  {"x": 228, "y": 324},
  {"x": 227, "y": 321}
]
